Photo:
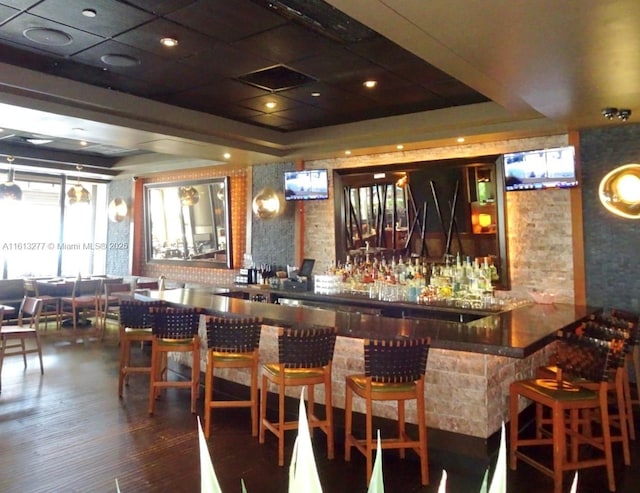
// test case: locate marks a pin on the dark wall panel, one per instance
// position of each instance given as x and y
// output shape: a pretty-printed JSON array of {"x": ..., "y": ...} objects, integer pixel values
[{"x": 612, "y": 243}]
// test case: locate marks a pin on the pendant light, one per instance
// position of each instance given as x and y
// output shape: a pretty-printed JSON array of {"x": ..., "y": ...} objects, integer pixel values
[
  {"x": 9, "y": 190},
  {"x": 77, "y": 194},
  {"x": 188, "y": 196}
]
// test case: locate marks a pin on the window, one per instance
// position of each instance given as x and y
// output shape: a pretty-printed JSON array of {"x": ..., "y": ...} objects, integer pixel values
[{"x": 37, "y": 243}]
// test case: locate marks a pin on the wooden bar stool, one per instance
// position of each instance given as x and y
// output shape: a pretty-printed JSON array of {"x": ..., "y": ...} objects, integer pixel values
[
  {"x": 232, "y": 343},
  {"x": 174, "y": 330},
  {"x": 632, "y": 363},
  {"x": 304, "y": 358},
  {"x": 394, "y": 371},
  {"x": 579, "y": 357},
  {"x": 134, "y": 327},
  {"x": 605, "y": 329}
]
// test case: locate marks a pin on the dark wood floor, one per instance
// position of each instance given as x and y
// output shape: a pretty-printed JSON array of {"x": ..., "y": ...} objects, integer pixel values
[{"x": 67, "y": 431}]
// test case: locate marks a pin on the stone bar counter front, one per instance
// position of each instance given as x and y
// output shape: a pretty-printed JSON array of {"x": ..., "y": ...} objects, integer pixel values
[{"x": 470, "y": 365}]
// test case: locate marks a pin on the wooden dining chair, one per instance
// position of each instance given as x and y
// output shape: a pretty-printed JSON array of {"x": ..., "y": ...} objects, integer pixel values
[
  {"x": 304, "y": 359},
  {"x": 112, "y": 295},
  {"x": 232, "y": 343},
  {"x": 84, "y": 300},
  {"x": 14, "y": 337},
  {"x": 50, "y": 302},
  {"x": 394, "y": 370}
]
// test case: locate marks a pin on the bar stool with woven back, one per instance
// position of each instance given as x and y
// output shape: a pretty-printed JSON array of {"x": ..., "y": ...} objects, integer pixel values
[
  {"x": 174, "y": 330},
  {"x": 394, "y": 371},
  {"x": 572, "y": 407},
  {"x": 632, "y": 363},
  {"x": 134, "y": 327},
  {"x": 232, "y": 343},
  {"x": 304, "y": 359},
  {"x": 605, "y": 328}
]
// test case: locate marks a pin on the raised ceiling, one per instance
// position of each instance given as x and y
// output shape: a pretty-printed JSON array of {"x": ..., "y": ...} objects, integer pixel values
[{"x": 443, "y": 68}]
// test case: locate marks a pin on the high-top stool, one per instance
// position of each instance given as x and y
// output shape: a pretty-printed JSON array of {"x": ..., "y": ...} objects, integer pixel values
[
  {"x": 134, "y": 327},
  {"x": 304, "y": 358},
  {"x": 579, "y": 357},
  {"x": 607, "y": 329},
  {"x": 394, "y": 371},
  {"x": 632, "y": 363},
  {"x": 174, "y": 330},
  {"x": 232, "y": 343}
]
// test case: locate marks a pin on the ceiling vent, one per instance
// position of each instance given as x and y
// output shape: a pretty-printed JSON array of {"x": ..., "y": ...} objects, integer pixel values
[
  {"x": 276, "y": 78},
  {"x": 321, "y": 17}
]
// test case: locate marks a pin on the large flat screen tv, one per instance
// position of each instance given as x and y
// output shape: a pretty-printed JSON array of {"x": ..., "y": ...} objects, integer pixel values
[
  {"x": 311, "y": 184},
  {"x": 538, "y": 170}
]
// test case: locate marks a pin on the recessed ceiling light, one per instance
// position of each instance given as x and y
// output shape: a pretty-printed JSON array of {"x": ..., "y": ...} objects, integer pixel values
[
  {"x": 226, "y": 155},
  {"x": 315, "y": 94},
  {"x": 118, "y": 60},
  {"x": 370, "y": 84},
  {"x": 89, "y": 13},
  {"x": 348, "y": 153},
  {"x": 39, "y": 142},
  {"x": 460, "y": 139},
  {"x": 379, "y": 176},
  {"x": 399, "y": 147},
  {"x": 270, "y": 104},
  {"x": 169, "y": 42}
]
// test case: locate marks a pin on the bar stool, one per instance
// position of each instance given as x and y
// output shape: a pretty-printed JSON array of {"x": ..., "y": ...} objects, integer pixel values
[
  {"x": 394, "y": 371},
  {"x": 134, "y": 327},
  {"x": 232, "y": 343},
  {"x": 304, "y": 358},
  {"x": 632, "y": 363},
  {"x": 174, "y": 330},
  {"x": 602, "y": 328},
  {"x": 578, "y": 357}
]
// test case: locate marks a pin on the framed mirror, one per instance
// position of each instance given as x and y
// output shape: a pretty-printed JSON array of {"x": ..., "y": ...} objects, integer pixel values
[
  {"x": 189, "y": 222},
  {"x": 427, "y": 210}
]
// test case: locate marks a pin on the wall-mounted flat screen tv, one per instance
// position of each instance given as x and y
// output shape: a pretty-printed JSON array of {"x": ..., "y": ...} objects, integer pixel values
[
  {"x": 310, "y": 184},
  {"x": 539, "y": 170}
]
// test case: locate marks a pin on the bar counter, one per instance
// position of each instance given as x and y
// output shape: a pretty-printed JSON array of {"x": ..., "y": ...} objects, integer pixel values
[{"x": 470, "y": 366}]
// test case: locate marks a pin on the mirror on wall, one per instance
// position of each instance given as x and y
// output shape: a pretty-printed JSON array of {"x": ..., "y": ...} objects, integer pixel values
[
  {"x": 432, "y": 210},
  {"x": 189, "y": 222}
]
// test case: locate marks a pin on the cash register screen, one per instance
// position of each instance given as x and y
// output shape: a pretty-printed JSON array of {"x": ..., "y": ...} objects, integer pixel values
[{"x": 307, "y": 267}]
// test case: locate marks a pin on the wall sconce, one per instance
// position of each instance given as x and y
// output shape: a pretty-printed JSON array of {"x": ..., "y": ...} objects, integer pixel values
[
  {"x": 188, "y": 196},
  {"x": 9, "y": 190},
  {"x": 619, "y": 191},
  {"x": 267, "y": 204},
  {"x": 117, "y": 210}
]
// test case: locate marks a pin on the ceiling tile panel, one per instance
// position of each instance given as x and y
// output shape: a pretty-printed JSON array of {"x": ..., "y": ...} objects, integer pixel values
[
  {"x": 284, "y": 44},
  {"x": 227, "y": 60},
  {"x": 54, "y": 38},
  {"x": 6, "y": 13},
  {"x": 223, "y": 91},
  {"x": 260, "y": 102},
  {"x": 111, "y": 17},
  {"x": 146, "y": 60},
  {"x": 160, "y": 7},
  {"x": 147, "y": 37},
  {"x": 226, "y": 20},
  {"x": 20, "y": 4}
]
